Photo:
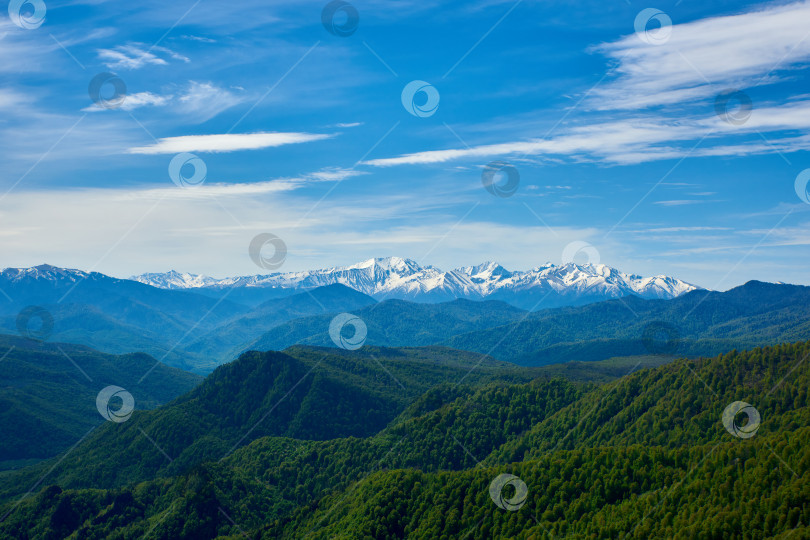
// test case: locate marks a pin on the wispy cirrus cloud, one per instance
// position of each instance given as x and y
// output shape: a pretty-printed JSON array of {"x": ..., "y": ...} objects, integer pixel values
[
  {"x": 136, "y": 56},
  {"x": 679, "y": 202},
  {"x": 199, "y": 101},
  {"x": 241, "y": 189},
  {"x": 642, "y": 139},
  {"x": 683, "y": 229},
  {"x": 135, "y": 101},
  {"x": 228, "y": 142},
  {"x": 703, "y": 57},
  {"x": 205, "y": 100},
  {"x": 700, "y": 60}
]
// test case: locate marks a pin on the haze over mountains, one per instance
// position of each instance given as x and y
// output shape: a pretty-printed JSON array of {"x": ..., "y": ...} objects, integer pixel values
[
  {"x": 199, "y": 328},
  {"x": 548, "y": 285},
  {"x": 697, "y": 323}
]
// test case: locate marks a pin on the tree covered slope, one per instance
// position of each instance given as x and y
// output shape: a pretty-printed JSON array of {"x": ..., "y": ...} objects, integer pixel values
[
  {"x": 48, "y": 393},
  {"x": 304, "y": 393},
  {"x": 645, "y": 456}
]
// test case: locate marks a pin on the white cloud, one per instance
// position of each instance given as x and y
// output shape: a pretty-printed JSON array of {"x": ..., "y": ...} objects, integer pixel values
[
  {"x": 199, "y": 102},
  {"x": 213, "y": 191},
  {"x": 201, "y": 39},
  {"x": 206, "y": 100},
  {"x": 678, "y": 202},
  {"x": 142, "y": 99},
  {"x": 704, "y": 57},
  {"x": 700, "y": 60},
  {"x": 236, "y": 190},
  {"x": 135, "y": 101},
  {"x": 135, "y": 56},
  {"x": 334, "y": 174},
  {"x": 229, "y": 142},
  {"x": 642, "y": 139},
  {"x": 683, "y": 229}
]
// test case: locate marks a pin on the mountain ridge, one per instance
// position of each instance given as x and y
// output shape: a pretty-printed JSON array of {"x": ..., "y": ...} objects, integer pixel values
[
  {"x": 544, "y": 286},
  {"x": 697, "y": 323}
]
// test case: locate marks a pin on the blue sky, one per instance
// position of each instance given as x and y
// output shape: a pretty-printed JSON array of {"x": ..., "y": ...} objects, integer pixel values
[{"x": 615, "y": 134}]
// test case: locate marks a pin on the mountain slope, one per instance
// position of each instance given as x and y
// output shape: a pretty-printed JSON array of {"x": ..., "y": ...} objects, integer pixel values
[
  {"x": 608, "y": 464},
  {"x": 195, "y": 324},
  {"x": 113, "y": 315},
  {"x": 644, "y": 457},
  {"x": 304, "y": 393},
  {"x": 180, "y": 327},
  {"x": 226, "y": 342},
  {"x": 47, "y": 403},
  {"x": 711, "y": 491},
  {"x": 394, "y": 277},
  {"x": 697, "y": 323},
  {"x": 45, "y": 285},
  {"x": 393, "y": 323}
]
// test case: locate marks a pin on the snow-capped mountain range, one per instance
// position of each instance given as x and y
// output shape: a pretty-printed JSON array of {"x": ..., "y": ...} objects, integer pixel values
[{"x": 394, "y": 277}]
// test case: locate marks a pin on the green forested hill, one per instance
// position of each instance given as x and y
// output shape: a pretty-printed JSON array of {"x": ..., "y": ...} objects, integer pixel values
[
  {"x": 48, "y": 393},
  {"x": 646, "y": 456},
  {"x": 723, "y": 491},
  {"x": 305, "y": 393}
]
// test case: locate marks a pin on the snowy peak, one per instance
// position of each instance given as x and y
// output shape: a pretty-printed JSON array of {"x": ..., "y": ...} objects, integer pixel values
[
  {"x": 396, "y": 277},
  {"x": 390, "y": 264},
  {"x": 43, "y": 272},
  {"x": 485, "y": 271},
  {"x": 175, "y": 280}
]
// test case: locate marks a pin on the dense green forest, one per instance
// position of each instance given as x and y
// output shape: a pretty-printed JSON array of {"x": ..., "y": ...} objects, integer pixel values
[
  {"x": 48, "y": 397},
  {"x": 303, "y": 393},
  {"x": 644, "y": 456}
]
